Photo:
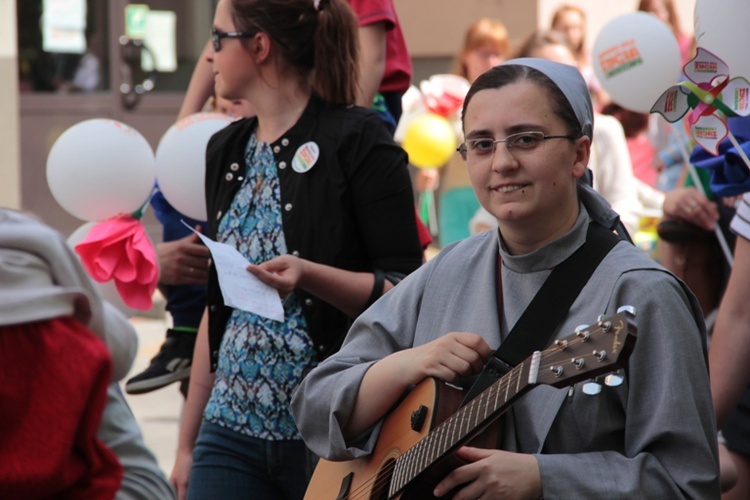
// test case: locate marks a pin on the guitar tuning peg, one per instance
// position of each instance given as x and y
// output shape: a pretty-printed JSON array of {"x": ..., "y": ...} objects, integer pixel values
[
  {"x": 582, "y": 332},
  {"x": 603, "y": 324},
  {"x": 627, "y": 309},
  {"x": 614, "y": 379}
]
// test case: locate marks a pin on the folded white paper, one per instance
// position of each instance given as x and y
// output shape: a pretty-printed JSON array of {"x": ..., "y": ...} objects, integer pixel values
[{"x": 240, "y": 288}]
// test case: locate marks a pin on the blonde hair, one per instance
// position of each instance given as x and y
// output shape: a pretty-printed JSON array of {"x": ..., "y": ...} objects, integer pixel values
[{"x": 482, "y": 32}]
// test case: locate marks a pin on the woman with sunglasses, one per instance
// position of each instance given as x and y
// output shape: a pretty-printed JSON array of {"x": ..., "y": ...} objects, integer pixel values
[
  {"x": 316, "y": 195},
  {"x": 648, "y": 434}
]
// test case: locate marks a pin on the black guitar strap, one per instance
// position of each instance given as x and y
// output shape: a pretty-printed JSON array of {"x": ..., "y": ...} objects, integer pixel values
[{"x": 547, "y": 309}]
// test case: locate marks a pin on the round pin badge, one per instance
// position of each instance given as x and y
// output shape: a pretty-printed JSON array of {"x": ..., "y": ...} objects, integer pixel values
[{"x": 305, "y": 157}]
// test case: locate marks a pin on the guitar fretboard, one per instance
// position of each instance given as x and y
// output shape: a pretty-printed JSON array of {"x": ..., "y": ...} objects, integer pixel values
[{"x": 464, "y": 425}]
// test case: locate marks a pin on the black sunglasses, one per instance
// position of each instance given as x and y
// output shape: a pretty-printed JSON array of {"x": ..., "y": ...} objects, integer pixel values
[{"x": 217, "y": 35}]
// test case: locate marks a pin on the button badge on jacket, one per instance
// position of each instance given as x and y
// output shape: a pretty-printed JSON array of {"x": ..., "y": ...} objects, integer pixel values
[{"x": 305, "y": 157}]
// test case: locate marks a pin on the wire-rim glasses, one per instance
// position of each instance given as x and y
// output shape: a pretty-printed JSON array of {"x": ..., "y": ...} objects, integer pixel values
[
  {"x": 484, "y": 147},
  {"x": 217, "y": 35}
]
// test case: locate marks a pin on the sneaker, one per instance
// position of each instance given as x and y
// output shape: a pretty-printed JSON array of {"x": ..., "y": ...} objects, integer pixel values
[{"x": 171, "y": 364}]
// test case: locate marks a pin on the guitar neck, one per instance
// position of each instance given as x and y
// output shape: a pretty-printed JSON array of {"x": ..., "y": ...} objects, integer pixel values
[{"x": 466, "y": 423}]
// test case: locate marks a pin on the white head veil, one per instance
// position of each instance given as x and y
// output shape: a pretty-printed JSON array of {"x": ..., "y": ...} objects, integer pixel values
[{"x": 570, "y": 82}]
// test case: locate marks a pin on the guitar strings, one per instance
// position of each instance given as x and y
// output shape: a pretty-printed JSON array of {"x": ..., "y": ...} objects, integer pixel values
[{"x": 384, "y": 477}]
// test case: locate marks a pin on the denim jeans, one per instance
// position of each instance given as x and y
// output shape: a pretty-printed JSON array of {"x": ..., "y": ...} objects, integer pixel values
[{"x": 228, "y": 465}]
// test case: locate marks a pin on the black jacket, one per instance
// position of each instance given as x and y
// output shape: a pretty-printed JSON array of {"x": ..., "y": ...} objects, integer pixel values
[{"x": 353, "y": 209}]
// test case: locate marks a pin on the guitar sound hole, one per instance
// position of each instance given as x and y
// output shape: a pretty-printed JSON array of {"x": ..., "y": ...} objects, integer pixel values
[{"x": 383, "y": 481}]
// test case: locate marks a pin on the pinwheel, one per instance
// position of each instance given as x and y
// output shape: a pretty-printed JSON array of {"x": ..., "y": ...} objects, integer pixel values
[{"x": 712, "y": 96}]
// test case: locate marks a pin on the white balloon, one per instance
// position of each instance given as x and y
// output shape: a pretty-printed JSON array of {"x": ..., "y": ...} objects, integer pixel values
[
  {"x": 100, "y": 168},
  {"x": 108, "y": 289},
  {"x": 181, "y": 162},
  {"x": 721, "y": 27},
  {"x": 636, "y": 58}
]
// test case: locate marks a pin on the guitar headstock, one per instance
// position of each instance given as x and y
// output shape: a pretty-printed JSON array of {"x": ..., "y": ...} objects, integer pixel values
[{"x": 590, "y": 350}]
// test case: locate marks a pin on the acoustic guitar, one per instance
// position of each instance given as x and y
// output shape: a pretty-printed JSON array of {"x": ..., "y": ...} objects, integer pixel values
[{"x": 416, "y": 446}]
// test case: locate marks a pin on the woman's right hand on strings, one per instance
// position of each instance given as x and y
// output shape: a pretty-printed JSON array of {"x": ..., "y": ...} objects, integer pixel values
[{"x": 449, "y": 357}]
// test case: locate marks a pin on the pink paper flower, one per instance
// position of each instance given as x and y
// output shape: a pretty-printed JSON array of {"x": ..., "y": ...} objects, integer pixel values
[{"x": 118, "y": 249}]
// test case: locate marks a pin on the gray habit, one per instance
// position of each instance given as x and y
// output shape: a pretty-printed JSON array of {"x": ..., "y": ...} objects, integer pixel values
[{"x": 654, "y": 436}]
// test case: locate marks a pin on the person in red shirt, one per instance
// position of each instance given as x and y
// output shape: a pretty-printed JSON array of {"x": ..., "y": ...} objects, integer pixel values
[{"x": 385, "y": 65}]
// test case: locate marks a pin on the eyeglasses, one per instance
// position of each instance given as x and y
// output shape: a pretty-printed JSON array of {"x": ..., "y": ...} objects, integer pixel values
[
  {"x": 217, "y": 35},
  {"x": 478, "y": 149}
]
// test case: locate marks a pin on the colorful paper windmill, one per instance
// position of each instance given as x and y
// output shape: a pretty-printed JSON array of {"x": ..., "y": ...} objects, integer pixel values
[{"x": 711, "y": 95}]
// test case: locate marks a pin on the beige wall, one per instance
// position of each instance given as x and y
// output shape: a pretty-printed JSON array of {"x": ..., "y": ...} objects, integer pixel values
[
  {"x": 10, "y": 184},
  {"x": 434, "y": 28}
]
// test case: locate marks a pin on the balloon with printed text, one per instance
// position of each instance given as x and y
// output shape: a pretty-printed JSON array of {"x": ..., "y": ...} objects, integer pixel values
[{"x": 636, "y": 57}]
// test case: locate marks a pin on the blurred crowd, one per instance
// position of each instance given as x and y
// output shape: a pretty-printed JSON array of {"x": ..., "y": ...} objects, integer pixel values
[{"x": 314, "y": 183}]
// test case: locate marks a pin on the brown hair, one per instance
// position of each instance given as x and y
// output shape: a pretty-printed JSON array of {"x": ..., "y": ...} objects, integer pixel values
[
  {"x": 578, "y": 52},
  {"x": 544, "y": 38},
  {"x": 318, "y": 38},
  {"x": 481, "y": 32}
]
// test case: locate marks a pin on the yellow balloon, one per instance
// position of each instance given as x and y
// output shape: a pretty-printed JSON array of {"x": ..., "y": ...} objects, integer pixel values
[{"x": 430, "y": 141}]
